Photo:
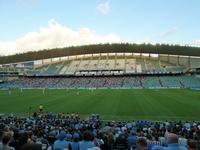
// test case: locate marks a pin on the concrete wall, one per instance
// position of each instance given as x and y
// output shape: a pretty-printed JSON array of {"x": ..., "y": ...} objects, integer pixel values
[
  {"x": 195, "y": 62},
  {"x": 184, "y": 61},
  {"x": 163, "y": 58},
  {"x": 173, "y": 60}
]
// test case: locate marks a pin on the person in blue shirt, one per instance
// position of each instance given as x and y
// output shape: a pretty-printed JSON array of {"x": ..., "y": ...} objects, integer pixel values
[
  {"x": 75, "y": 135},
  {"x": 172, "y": 143},
  {"x": 157, "y": 148},
  {"x": 75, "y": 144},
  {"x": 60, "y": 143},
  {"x": 131, "y": 140},
  {"x": 87, "y": 141}
]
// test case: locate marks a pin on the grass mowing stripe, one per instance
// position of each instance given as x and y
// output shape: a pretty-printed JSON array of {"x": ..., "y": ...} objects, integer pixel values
[{"x": 110, "y": 104}]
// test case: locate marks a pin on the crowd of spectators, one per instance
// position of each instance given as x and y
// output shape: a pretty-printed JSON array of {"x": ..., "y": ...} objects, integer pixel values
[
  {"x": 50, "y": 131},
  {"x": 104, "y": 82}
]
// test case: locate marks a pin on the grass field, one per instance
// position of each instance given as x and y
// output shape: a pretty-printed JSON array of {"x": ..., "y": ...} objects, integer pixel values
[{"x": 110, "y": 104}]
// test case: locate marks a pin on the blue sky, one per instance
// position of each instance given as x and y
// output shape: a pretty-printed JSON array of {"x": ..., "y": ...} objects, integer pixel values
[{"x": 37, "y": 24}]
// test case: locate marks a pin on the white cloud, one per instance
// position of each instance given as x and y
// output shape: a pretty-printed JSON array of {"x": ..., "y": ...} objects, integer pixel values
[
  {"x": 104, "y": 8},
  {"x": 7, "y": 47},
  {"x": 55, "y": 35},
  {"x": 197, "y": 43}
]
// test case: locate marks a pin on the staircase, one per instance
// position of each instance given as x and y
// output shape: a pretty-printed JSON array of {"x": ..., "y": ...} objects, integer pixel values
[
  {"x": 160, "y": 82},
  {"x": 182, "y": 85}
]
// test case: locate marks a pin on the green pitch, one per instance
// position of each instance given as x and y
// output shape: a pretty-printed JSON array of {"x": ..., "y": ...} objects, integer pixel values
[{"x": 110, "y": 104}]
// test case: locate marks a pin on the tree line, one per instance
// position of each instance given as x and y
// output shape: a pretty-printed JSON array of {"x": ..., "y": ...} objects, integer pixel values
[{"x": 102, "y": 48}]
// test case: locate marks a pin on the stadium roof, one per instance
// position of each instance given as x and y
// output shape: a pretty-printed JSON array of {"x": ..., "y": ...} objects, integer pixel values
[{"x": 103, "y": 48}]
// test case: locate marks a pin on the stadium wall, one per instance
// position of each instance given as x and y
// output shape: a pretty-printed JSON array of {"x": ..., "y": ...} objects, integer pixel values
[
  {"x": 195, "y": 62},
  {"x": 187, "y": 61}
]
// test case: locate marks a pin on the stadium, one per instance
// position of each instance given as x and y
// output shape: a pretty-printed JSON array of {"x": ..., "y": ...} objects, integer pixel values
[
  {"x": 99, "y": 75},
  {"x": 128, "y": 82},
  {"x": 125, "y": 77}
]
